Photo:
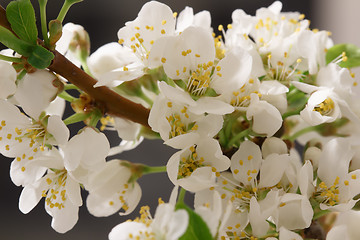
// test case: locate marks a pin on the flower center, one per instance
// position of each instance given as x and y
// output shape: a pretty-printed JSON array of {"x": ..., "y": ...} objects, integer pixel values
[
  {"x": 179, "y": 122},
  {"x": 190, "y": 163},
  {"x": 241, "y": 98},
  {"x": 328, "y": 195},
  {"x": 326, "y": 107},
  {"x": 283, "y": 71},
  {"x": 55, "y": 196},
  {"x": 200, "y": 79}
]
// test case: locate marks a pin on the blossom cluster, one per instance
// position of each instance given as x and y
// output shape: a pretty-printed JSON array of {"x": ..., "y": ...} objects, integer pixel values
[{"x": 235, "y": 106}]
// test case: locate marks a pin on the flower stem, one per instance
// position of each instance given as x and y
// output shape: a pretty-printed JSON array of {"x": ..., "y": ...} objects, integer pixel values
[
  {"x": 157, "y": 169},
  {"x": 66, "y": 96},
  {"x": 10, "y": 59},
  {"x": 70, "y": 86},
  {"x": 301, "y": 132},
  {"x": 238, "y": 136},
  {"x": 181, "y": 196},
  {"x": 77, "y": 117},
  {"x": 42, "y": 5},
  {"x": 65, "y": 8}
]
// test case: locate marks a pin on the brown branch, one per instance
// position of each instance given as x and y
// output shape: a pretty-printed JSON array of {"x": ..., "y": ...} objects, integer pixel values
[{"x": 106, "y": 99}]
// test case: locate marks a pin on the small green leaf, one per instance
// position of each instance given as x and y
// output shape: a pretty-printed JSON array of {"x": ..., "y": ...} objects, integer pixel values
[
  {"x": 352, "y": 53},
  {"x": 40, "y": 57},
  {"x": 11, "y": 41},
  {"x": 197, "y": 229},
  {"x": 55, "y": 31},
  {"x": 21, "y": 16}
]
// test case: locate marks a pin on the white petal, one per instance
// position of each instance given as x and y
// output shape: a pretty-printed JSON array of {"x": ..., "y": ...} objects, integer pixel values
[
  {"x": 123, "y": 230},
  {"x": 88, "y": 148},
  {"x": 246, "y": 159},
  {"x": 288, "y": 235},
  {"x": 273, "y": 145},
  {"x": 58, "y": 129},
  {"x": 7, "y": 80},
  {"x": 41, "y": 83},
  {"x": 273, "y": 169},
  {"x": 31, "y": 195},
  {"x": 258, "y": 223}
]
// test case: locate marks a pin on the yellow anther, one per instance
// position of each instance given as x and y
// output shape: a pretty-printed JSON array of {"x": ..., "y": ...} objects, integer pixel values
[
  {"x": 9, "y": 136},
  {"x": 160, "y": 201},
  {"x": 250, "y": 157},
  {"x": 23, "y": 169},
  {"x": 220, "y": 27},
  {"x": 175, "y": 14},
  {"x": 241, "y": 162},
  {"x": 236, "y": 171},
  {"x": 163, "y": 31},
  {"x": 152, "y": 42},
  {"x": 301, "y": 16},
  {"x": 121, "y": 41},
  {"x": 163, "y": 60},
  {"x": 282, "y": 204},
  {"x": 353, "y": 176},
  {"x": 163, "y": 22},
  {"x": 3, "y": 123},
  {"x": 218, "y": 68},
  {"x": 223, "y": 196},
  {"x": 7, "y": 147},
  {"x": 169, "y": 104},
  {"x": 346, "y": 182},
  {"x": 137, "y": 35},
  {"x": 197, "y": 55},
  {"x": 229, "y": 26},
  {"x": 111, "y": 203}
]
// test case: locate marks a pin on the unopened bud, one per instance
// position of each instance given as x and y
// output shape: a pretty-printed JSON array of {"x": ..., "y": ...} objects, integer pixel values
[{"x": 55, "y": 31}]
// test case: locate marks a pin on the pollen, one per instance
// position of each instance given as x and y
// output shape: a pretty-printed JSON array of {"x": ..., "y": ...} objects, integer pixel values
[
  {"x": 163, "y": 22},
  {"x": 163, "y": 60},
  {"x": 121, "y": 41},
  {"x": 163, "y": 31},
  {"x": 23, "y": 169},
  {"x": 220, "y": 27}
]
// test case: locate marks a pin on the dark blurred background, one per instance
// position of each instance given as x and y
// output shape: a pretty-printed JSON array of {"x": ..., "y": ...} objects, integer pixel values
[{"x": 102, "y": 19}]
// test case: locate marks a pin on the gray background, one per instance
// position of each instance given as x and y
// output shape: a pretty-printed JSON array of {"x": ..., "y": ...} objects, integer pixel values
[{"x": 102, "y": 19}]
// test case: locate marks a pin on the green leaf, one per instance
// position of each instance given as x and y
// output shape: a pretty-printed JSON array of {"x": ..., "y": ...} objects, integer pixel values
[
  {"x": 40, "y": 57},
  {"x": 21, "y": 16},
  {"x": 352, "y": 53},
  {"x": 197, "y": 229},
  {"x": 11, "y": 41}
]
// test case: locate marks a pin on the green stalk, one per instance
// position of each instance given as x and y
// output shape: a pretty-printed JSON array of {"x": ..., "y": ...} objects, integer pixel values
[
  {"x": 66, "y": 96},
  {"x": 70, "y": 86},
  {"x": 65, "y": 8},
  {"x": 10, "y": 59},
  {"x": 42, "y": 5},
  {"x": 181, "y": 196},
  {"x": 238, "y": 136},
  {"x": 157, "y": 169},
  {"x": 301, "y": 132},
  {"x": 77, "y": 117}
]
